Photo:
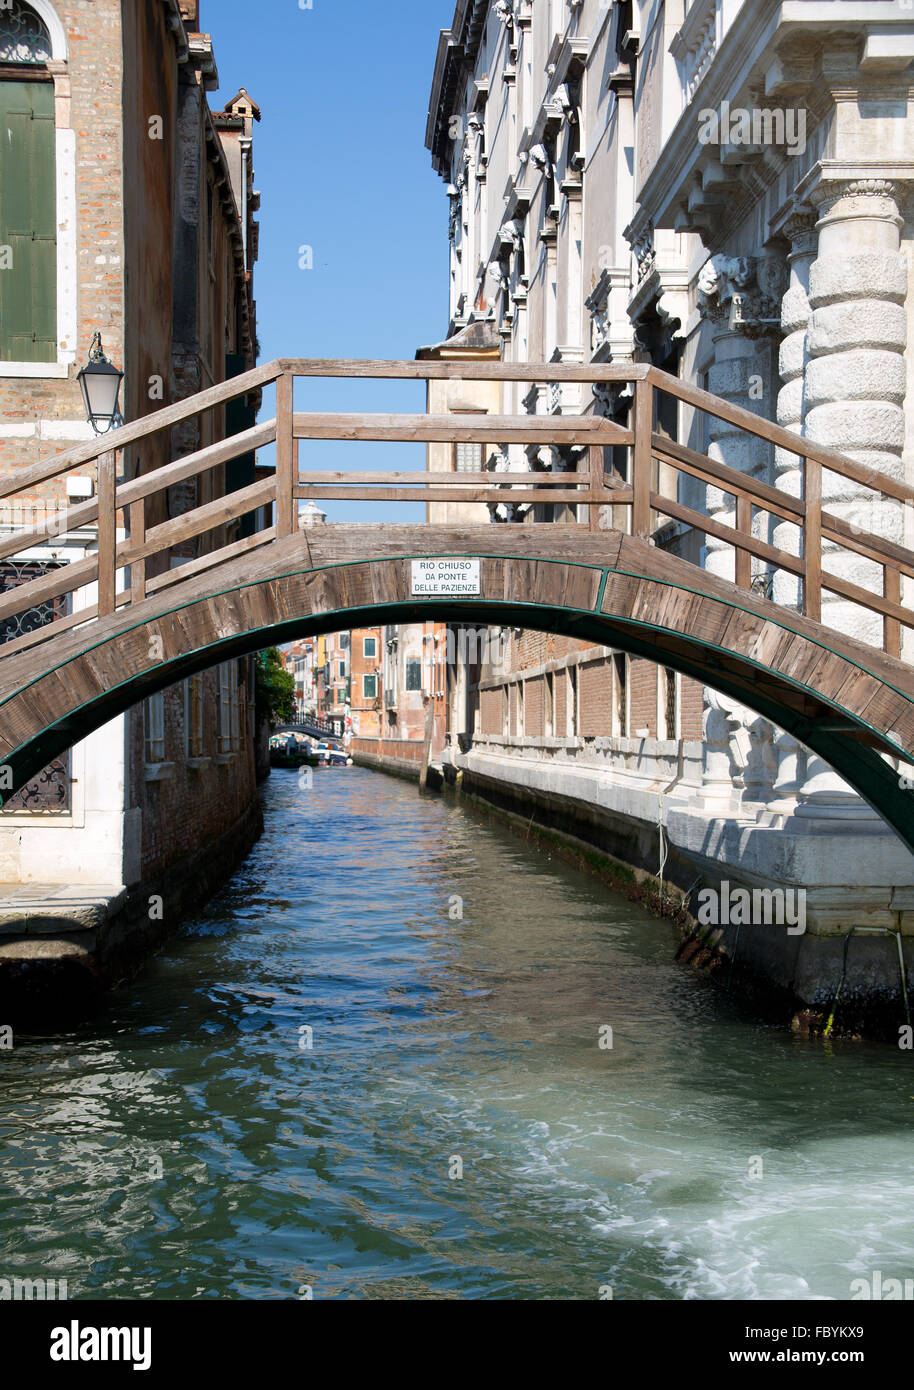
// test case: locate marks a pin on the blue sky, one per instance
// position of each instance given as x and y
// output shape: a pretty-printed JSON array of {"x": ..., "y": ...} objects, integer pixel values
[{"x": 341, "y": 165}]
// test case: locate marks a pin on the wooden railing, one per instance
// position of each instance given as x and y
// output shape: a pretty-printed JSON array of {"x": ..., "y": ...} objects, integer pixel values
[{"x": 631, "y": 483}]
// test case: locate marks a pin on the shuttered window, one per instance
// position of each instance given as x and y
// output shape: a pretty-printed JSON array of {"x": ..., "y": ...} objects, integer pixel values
[{"x": 28, "y": 240}]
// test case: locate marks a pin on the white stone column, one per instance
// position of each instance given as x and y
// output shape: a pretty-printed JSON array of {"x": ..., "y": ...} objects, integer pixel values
[
  {"x": 855, "y": 379},
  {"x": 854, "y": 394},
  {"x": 800, "y": 231}
]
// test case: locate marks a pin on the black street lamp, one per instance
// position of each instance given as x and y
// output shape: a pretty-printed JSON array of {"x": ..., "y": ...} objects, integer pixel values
[{"x": 100, "y": 381}]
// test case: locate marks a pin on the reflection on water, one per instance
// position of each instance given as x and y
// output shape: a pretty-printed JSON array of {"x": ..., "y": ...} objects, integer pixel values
[{"x": 192, "y": 1144}]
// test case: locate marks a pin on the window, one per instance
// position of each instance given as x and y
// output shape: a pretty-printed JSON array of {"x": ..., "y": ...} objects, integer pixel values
[
  {"x": 154, "y": 722},
  {"x": 369, "y": 687},
  {"x": 193, "y": 716},
  {"x": 28, "y": 196},
  {"x": 669, "y": 686},
  {"x": 344, "y": 641},
  {"x": 571, "y": 706},
  {"x": 370, "y": 646},
  {"x": 23, "y": 37},
  {"x": 467, "y": 458},
  {"x": 413, "y": 673},
  {"x": 342, "y": 666},
  {"x": 229, "y": 722},
  {"x": 620, "y": 661},
  {"x": 549, "y": 720},
  {"x": 520, "y": 710}
]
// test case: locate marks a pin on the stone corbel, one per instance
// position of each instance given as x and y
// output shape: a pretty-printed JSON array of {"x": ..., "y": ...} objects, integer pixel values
[{"x": 745, "y": 290}]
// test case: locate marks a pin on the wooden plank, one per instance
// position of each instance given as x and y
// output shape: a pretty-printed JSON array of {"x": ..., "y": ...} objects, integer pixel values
[
  {"x": 286, "y": 470},
  {"x": 812, "y": 541},
  {"x": 467, "y": 371},
  {"x": 448, "y": 494},
  {"x": 743, "y": 571},
  {"x": 137, "y": 522},
  {"x": 210, "y": 561},
  {"x": 726, "y": 533},
  {"x": 891, "y": 628},
  {"x": 48, "y": 586},
  {"x": 419, "y": 478},
  {"x": 54, "y": 527},
  {"x": 776, "y": 434},
  {"x": 51, "y": 630},
  {"x": 875, "y": 602},
  {"x": 708, "y": 470},
  {"x": 462, "y": 428},
  {"x": 595, "y": 456},
  {"x": 163, "y": 419},
  {"x": 107, "y": 532},
  {"x": 865, "y": 543},
  {"x": 198, "y": 462},
  {"x": 641, "y": 460},
  {"x": 195, "y": 523}
]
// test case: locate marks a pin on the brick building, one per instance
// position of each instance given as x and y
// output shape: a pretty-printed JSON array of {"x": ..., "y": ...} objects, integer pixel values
[
  {"x": 366, "y": 646},
  {"x": 127, "y": 209},
  {"x": 399, "y": 680}
]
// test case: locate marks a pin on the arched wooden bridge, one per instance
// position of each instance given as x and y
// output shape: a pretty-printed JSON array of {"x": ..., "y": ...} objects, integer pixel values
[{"x": 850, "y": 702}]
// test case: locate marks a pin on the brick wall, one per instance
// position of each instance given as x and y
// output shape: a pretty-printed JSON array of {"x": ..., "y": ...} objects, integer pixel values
[
  {"x": 194, "y": 805},
  {"x": 642, "y": 680},
  {"x": 596, "y": 699}
]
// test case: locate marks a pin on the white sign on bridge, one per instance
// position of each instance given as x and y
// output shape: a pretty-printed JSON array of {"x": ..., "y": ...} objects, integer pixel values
[{"x": 447, "y": 578}]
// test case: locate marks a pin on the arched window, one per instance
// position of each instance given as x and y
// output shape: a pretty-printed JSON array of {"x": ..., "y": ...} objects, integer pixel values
[
  {"x": 28, "y": 235},
  {"x": 23, "y": 36}
]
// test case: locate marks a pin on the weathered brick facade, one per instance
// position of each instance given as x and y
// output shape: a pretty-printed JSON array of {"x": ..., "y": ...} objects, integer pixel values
[{"x": 156, "y": 241}]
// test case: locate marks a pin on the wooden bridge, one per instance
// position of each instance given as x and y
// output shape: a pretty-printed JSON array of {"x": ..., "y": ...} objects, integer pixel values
[{"x": 146, "y": 625}]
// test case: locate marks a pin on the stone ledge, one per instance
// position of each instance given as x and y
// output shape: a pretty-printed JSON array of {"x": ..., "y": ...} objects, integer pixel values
[{"x": 42, "y": 909}]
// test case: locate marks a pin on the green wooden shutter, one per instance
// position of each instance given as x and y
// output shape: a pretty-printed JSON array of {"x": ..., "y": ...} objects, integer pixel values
[{"x": 28, "y": 208}]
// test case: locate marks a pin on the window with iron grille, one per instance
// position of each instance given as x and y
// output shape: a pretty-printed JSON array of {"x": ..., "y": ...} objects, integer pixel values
[{"x": 50, "y": 792}]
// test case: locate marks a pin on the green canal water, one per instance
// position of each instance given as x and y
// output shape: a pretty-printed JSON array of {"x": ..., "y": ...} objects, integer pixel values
[{"x": 190, "y": 1144}]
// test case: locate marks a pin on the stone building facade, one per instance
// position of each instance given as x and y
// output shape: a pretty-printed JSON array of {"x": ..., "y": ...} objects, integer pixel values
[
  {"x": 723, "y": 190},
  {"x": 142, "y": 229},
  {"x": 399, "y": 692}
]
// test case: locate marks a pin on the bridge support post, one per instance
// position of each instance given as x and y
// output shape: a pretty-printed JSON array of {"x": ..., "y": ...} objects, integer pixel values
[
  {"x": 642, "y": 466},
  {"x": 285, "y": 457},
  {"x": 107, "y": 533}
]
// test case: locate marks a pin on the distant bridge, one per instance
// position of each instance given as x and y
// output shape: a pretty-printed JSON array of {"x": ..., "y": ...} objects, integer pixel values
[
  {"x": 850, "y": 702},
  {"x": 314, "y": 728}
]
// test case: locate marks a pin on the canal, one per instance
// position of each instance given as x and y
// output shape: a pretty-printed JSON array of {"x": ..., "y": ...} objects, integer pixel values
[{"x": 372, "y": 1068}]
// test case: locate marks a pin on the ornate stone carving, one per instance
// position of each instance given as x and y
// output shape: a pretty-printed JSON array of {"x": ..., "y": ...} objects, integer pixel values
[
  {"x": 746, "y": 289},
  {"x": 645, "y": 253}
]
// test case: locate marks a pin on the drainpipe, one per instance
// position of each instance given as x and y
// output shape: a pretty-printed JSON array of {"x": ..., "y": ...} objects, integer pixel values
[{"x": 245, "y": 146}]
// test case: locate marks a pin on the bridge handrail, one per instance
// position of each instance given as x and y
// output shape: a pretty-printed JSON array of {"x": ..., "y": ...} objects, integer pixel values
[{"x": 640, "y": 495}]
